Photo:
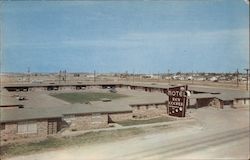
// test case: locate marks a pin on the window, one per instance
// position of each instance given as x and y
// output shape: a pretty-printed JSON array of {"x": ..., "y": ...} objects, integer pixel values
[
  {"x": 138, "y": 107},
  {"x": 27, "y": 127},
  {"x": 2, "y": 126},
  {"x": 244, "y": 101}
]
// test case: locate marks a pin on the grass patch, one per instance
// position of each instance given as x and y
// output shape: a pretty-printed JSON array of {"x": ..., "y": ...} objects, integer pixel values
[
  {"x": 147, "y": 121},
  {"x": 86, "y": 97},
  {"x": 19, "y": 149}
]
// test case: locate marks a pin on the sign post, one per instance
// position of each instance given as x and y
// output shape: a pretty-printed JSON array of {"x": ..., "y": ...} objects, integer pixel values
[{"x": 177, "y": 101}]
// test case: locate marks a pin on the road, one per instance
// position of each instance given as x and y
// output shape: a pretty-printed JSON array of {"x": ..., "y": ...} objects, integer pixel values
[{"x": 218, "y": 134}]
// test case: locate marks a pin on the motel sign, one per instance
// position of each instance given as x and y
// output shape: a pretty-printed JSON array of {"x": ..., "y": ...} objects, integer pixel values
[{"x": 177, "y": 101}]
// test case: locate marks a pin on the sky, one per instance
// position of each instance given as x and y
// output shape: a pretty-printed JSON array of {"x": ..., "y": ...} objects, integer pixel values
[{"x": 119, "y": 36}]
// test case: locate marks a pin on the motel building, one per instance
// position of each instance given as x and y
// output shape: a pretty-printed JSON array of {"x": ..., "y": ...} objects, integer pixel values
[{"x": 19, "y": 122}]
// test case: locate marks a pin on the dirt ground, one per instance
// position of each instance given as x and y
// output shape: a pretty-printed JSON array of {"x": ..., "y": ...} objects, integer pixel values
[{"x": 218, "y": 134}]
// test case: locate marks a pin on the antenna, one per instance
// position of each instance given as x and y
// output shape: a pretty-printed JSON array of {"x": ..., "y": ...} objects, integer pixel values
[
  {"x": 28, "y": 74},
  {"x": 133, "y": 76},
  {"x": 246, "y": 69},
  {"x": 169, "y": 76}
]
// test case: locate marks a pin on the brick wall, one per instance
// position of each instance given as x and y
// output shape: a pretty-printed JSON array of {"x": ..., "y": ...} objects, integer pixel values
[
  {"x": 212, "y": 102},
  {"x": 156, "y": 90},
  {"x": 241, "y": 103},
  {"x": 62, "y": 88},
  {"x": 125, "y": 87},
  {"x": 38, "y": 89},
  {"x": 10, "y": 132},
  {"x": 216, "y": 103},
  {"x": 87, "y": 121},
  {"x": 204, "y": 102},
  {"x": 116, "y": 117},
  {"x": 149, "y": 111}
]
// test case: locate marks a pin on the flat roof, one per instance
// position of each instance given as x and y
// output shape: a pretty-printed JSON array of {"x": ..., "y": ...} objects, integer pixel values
[
  {"x": 56, "y": 84},
  {"x": 202, "y": 95},
  {"x": 103, "y": 107},
  {"x": 20, "y": 114},
  {"x": 6, "y": 99},
  {"x": 232, "y": 95},
  {"x": 209, "y": 89}
]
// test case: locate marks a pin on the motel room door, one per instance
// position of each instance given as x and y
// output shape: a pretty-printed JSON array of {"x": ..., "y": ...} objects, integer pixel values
[{"x": 52, "y": 126}]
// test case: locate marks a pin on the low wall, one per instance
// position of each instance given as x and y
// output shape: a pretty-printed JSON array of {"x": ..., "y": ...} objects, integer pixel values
[
  {"x": 211, "y": 102},
  {"x": 149, "y": 110},
  {"x": 116, "y": 117},
  {"x": 87, "y": 121}
]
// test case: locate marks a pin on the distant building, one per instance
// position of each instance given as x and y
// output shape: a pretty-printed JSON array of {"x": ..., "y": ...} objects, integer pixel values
[{"x": 214, "y": 79}]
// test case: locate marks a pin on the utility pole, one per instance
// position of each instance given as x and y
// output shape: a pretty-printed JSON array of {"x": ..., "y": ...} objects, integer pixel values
[
  {"x": 65, "y": 75},
  {"x": 158, "y": 76},
  {"x": 169, "y": 76},
  {"x": 133, "y": 76},
  {"x": 192, "y": 77},
  {"x": 247, "y": 77},
  {"x": 28, "y": 74},
  {"x": 94, "y": 77},
  {"x": 59, "y": 77},
  {"x": 237, "y": 76}
]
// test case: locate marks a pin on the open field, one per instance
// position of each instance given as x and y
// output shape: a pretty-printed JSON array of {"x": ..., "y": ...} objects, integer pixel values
[
  {"x": 86, "y": 97},
  {"x": 146, "y": 121}
]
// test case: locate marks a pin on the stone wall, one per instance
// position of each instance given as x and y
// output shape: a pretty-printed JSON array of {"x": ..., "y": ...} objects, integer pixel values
[
  {"x": 149, "y": 110},
  {"x": 241, "y": 102},
  {"x": 205, "y": 102},
  {"x": 216, "y": 103},
  {"x": 116, "y": 117},
  {"x": 125, "y": 86},
  {"x": 67, "y": 88},
  {"x": 87, "y": 121},
  {"x": 157, "y": 90},
  {"x": 38, "y": 89}
]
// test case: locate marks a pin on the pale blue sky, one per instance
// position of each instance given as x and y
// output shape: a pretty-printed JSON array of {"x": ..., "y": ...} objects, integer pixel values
[{"x": 115, "y": 36}]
